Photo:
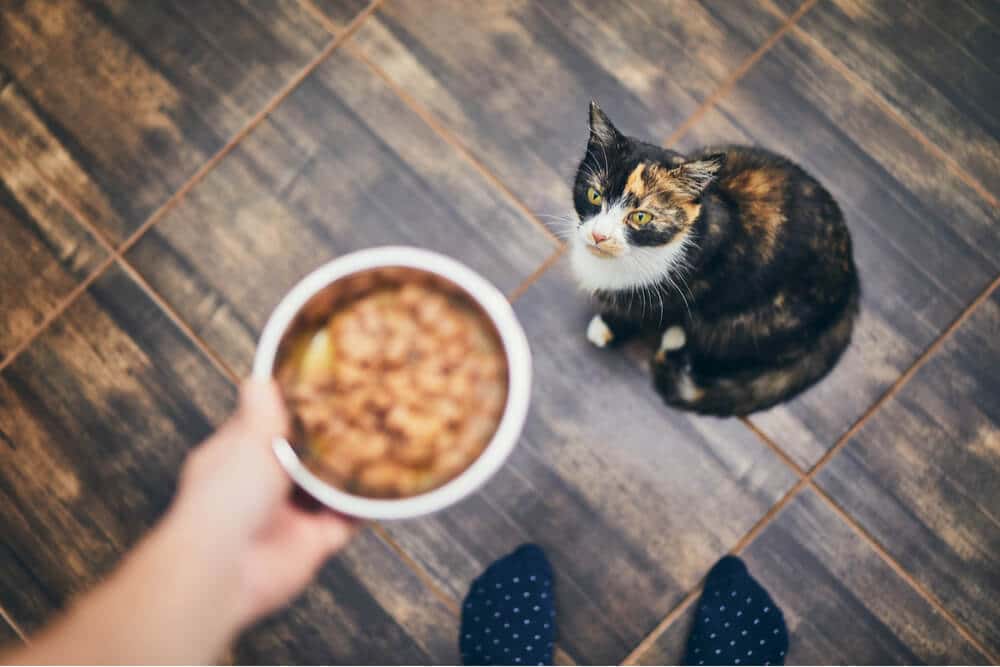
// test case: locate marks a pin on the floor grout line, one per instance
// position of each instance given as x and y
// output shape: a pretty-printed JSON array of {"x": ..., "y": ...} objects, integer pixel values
[
  {"x": 692, "y": 595},
  {"x": 449, "y": 138},
  {"x": 662, "y": 626},
  {"x": 806, "y": 479},
  {"x": 886, "y": 107},
  {"x": 549, "y": 262},
  {"x": 60, "y": 308},
  {"x": 89, "y": 227},
  {"x": 778, "y": 451},
  {"x": 421, "y": 573},
  {"x": 723, "y": 89},
  {"x": 179, "y": 321},
  {"x": 897, "y": 386},
  {"x": 6, "y": 618},
  {"x": 63, "y": 201},
  {"x": 903, "y": 574},
  {"x": 251, "y": 125},
  {"x": 436, "y": 125},
  {"x": 84, "y": 221},
  {"x": 188, "y": 185},
  {"x": 561, "y": 657},
  {"x": 890, "y": 111}
]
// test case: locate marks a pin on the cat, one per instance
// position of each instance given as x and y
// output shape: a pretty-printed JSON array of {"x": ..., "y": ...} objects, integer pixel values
[{"x": 735, "y": 258}]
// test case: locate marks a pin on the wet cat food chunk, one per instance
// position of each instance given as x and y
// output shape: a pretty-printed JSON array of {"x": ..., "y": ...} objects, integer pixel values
[{"x": 396, "y": 391}]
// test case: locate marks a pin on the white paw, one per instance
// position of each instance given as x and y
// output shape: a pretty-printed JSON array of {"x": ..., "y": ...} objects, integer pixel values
[
  {"x": 673, "y": 339},
  {"x": 598, "y": 332},
  {"x": 687, "y": 389}
]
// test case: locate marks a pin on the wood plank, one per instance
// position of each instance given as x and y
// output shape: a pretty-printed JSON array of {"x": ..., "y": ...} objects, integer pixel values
[
  {"x": 513, "y": 80},
  {"x": 108, "y": 399},
  {"x": 9, "y": 639},
  {"x": 633, "y": 502},
  {"x": 921, "y": 475},
  {"x": 44, "y": 252},
  {"x": 365, "y": 608},
  {"x": 341, "y": 165},
  {"x": 139, "y": 96},
  {"x": 842, "y": 603},
  {"x": 935, "y": 63},
  {"x": 339, "y": 12},
  {"x": 97, "y": 416},
  {"x": 925, "y": 243}
]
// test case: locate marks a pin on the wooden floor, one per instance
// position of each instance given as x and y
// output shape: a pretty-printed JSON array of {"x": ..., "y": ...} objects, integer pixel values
[{"x": 169, "y": 169}]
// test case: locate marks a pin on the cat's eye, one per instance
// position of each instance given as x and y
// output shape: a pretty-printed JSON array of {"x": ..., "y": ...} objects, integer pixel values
[
  {"x": 639, "y": 217},
  {"x": 593, "y": 196}
]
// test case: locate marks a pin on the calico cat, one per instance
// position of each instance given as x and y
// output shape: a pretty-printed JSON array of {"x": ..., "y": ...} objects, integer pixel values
[{"x": 738, "y": 259}]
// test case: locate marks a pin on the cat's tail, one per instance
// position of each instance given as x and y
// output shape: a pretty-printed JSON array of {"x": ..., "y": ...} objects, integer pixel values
[{"x": 683, "y": 384}]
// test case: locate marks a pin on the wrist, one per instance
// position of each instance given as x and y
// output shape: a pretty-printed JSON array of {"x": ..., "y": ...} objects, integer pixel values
[{"x": 195, "y": 581}]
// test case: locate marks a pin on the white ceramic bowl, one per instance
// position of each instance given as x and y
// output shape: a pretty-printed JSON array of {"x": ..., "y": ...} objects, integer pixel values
[{"x": 515, "y": 346}]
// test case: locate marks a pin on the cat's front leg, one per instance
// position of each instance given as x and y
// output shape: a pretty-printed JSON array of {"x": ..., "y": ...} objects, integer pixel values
[
  {"x": 608, "y": 329},
  {"x": 673, "y": 340},
  {"x": 672, "y": 372}
]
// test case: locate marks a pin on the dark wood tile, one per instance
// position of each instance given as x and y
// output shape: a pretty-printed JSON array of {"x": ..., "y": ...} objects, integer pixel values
[
  {"x": 842, "y": 603},
  {"x": 132, "y": 98},
  {"x": 341, "y": 165},
  {"x": 925, "y": 243},
  {"x": 44, "y": 251},
  {"x": 340, "y": 12},
  {"x": 97, "y": 416},
  {"x": 921, "y": 475},
  {"x": 670, "y": 646},
  {"x": 513, "y": 80},
  {"x": 936, "y": 63},
  {"x": 9, "y": 639},
  {"x": 632, "y": 502},
  {"x": 340, "y": 619}
]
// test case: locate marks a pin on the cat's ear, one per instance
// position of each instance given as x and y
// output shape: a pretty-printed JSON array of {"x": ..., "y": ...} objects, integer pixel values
[
  {"x": 602, "y": 131},
  {"x": 693, "y": 177}
]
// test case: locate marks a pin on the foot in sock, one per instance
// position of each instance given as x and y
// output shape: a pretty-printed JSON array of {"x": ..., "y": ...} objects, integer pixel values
[
  {"x": 508, "y": 617},
  {"x": 737, "y": 622}
]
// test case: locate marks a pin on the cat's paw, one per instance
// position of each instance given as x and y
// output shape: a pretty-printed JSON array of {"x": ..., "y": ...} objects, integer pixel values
[
  {"x": 598, "y": 332},
  {"x": 673, "y": 339}
]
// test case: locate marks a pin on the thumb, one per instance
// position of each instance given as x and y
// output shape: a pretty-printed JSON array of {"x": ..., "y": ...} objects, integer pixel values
[{"x": 262, "y": 409}]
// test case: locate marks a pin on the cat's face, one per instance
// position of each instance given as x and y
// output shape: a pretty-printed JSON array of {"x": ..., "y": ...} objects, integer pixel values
[{"x": 637, "y": 203}]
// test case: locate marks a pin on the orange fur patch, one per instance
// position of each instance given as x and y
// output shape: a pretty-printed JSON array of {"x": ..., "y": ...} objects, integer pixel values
[
  {"x": 761, "y": 196},
  {"x": 636, "y": 184}
]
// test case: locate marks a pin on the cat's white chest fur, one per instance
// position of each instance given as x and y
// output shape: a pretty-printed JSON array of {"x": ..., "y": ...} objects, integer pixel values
[{"x": 636, "y": 268}]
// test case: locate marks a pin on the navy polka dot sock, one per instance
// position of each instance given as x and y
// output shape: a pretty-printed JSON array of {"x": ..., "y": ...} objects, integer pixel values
[
  {"x": 508, "y": 617},
  {"x": 737, "y": 622}
]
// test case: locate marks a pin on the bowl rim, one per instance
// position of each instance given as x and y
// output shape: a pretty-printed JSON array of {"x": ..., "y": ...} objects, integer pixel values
[{"x": 516, "y": 350}]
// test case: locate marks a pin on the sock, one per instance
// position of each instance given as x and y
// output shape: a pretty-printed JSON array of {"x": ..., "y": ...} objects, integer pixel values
[
  {"x": 508, "y": 617},
  {"x": 737, "y": 622}
]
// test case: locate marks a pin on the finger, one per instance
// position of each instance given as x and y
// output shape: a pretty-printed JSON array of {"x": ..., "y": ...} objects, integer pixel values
[
  {"x": 262, "y": 408},
  {"x": 258, "y": 419},
  {"x": 327, "y": 531},
  {"x": 242, "y": 449}
]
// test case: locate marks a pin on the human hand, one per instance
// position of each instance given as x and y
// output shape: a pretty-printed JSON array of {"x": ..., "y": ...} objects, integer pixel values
[
  {"x": 233, "y": 546},
  {"x": 235, "y": 508}
]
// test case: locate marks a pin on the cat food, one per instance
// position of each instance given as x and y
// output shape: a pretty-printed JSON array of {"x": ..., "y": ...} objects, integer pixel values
[{"x": 397, "y": 389}]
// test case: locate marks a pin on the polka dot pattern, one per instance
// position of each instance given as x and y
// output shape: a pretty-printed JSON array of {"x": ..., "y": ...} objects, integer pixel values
[
  {"x": 737, "y": 622},
  {"x": 508, "y": 616}
]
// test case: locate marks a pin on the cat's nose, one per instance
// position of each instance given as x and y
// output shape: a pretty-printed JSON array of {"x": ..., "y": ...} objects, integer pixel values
[{"x": 597, "y": 236}]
